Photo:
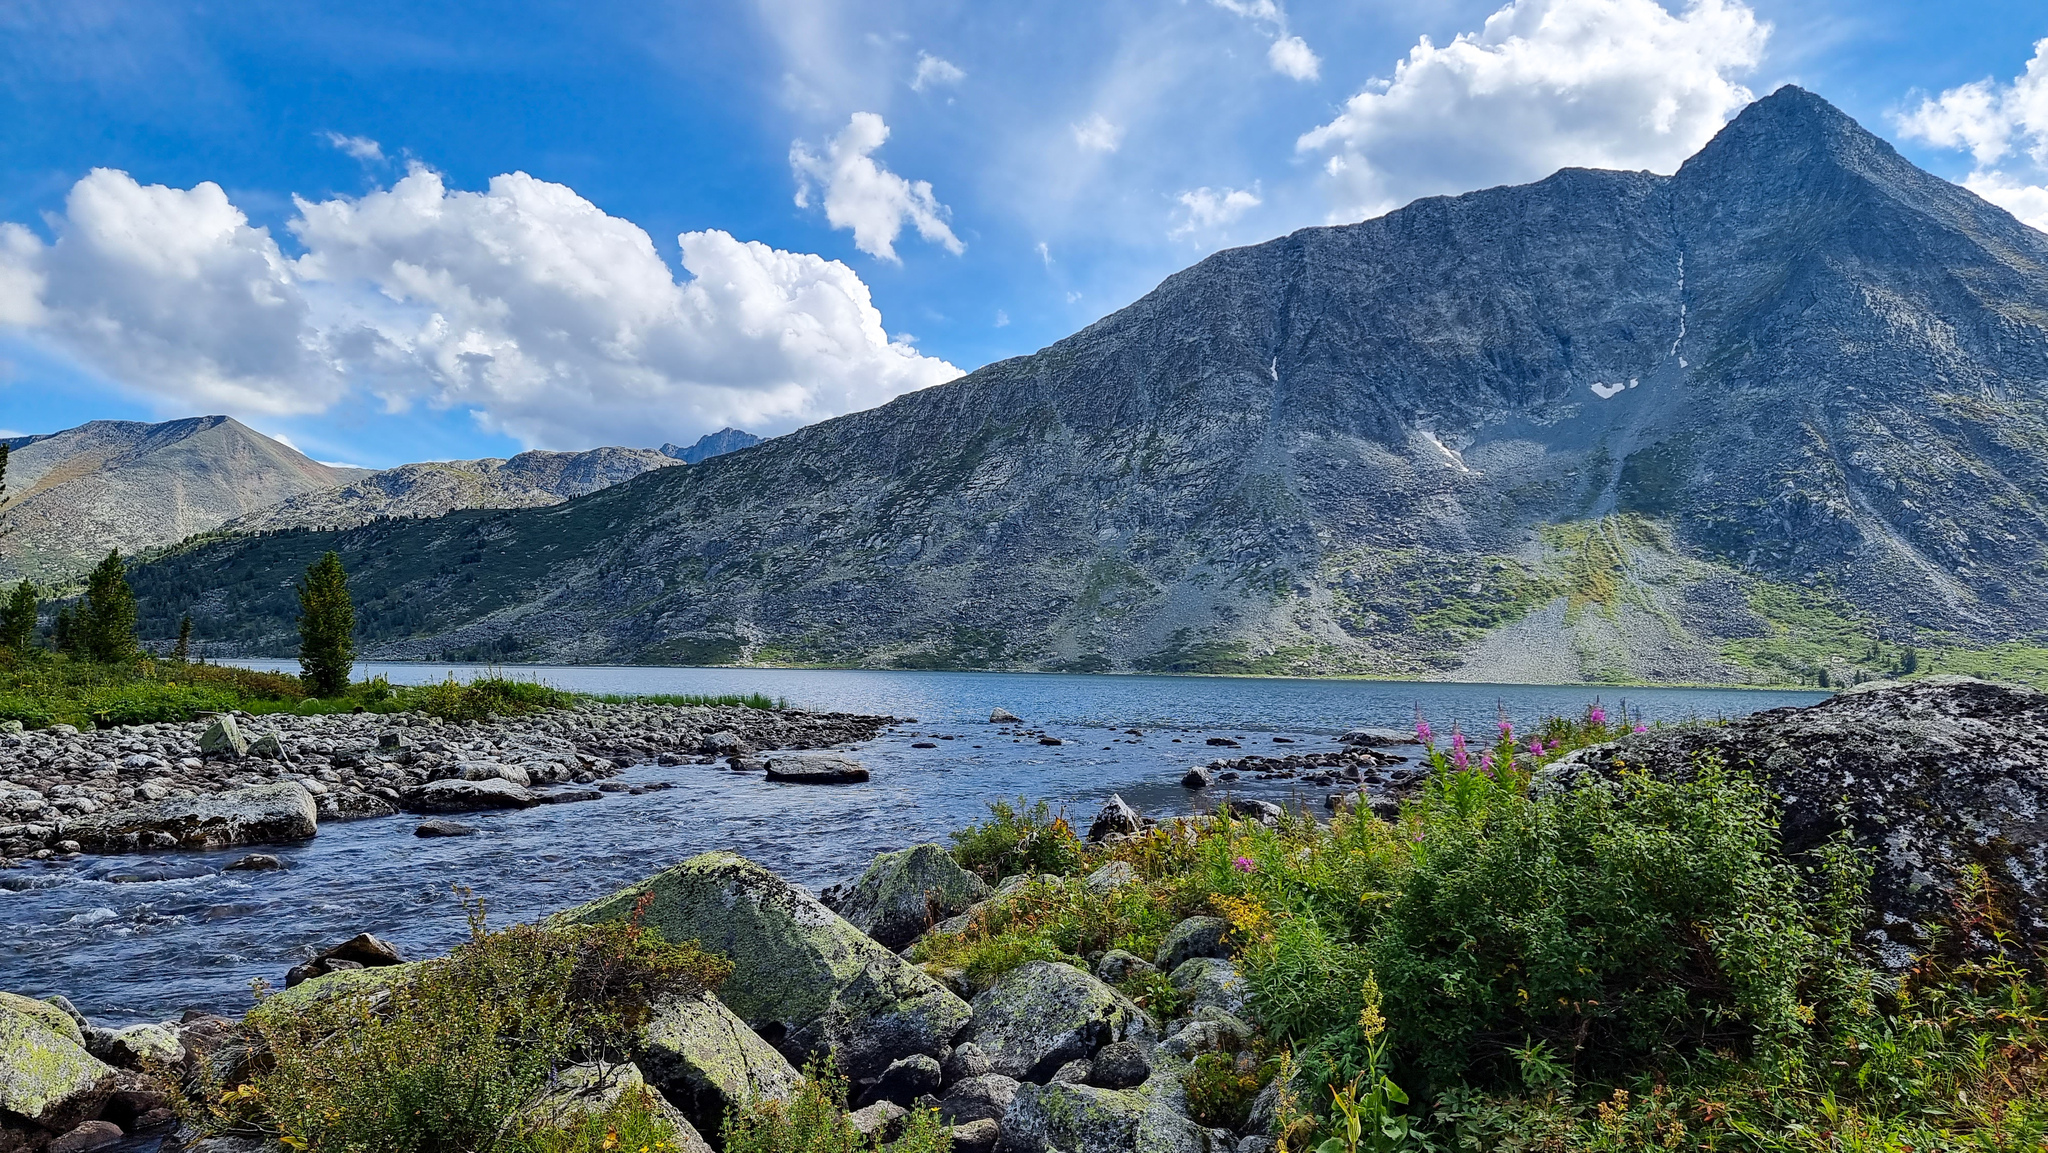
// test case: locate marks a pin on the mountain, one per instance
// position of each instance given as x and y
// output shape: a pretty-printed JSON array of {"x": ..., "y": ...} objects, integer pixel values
[
  {"x": 529, "y": 480},
  {"x": 1777, "y": 416},
  {"x": 718, "y": 443},
  {"x": 72, "y": 495}
]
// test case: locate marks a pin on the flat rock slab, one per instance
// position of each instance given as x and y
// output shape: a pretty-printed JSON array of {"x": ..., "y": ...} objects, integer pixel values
[
  {"x": 816, "y": 769},
  {"x": 459, "y": 796},
  {"x": 257, "y": 815}
]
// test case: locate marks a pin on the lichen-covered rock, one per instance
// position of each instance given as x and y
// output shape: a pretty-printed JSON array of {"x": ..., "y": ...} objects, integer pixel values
[
  {"x": 705, "y": 1059},
  {"x": 1210, "y": 982},
  {"x": 223, "y": 738},
  {"x": 1111, "y": 877},
  {"x": 984, "y": 1096},
  {"x": 1074, "y": 1118},
  {"x": 593, "y": 1087},
  {"x": 136, "y": 1047},
  {"x": 1936, "y": 775},
  {"x": 902, "y": 894},
  {"x": 46, "y": 1076},
  {"x": 1117, "y": 966},
  {"x": 802, "y": 977},
  {"x": 1194, "y": 937},
  {"x": 1038, "y": 1017},
  {"x": 255, "y": 815},
  {"x": 1123, "y": 1065}
]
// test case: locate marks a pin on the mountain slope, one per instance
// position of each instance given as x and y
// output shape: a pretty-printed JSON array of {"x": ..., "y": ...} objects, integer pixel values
[
  {"x": 712, "y": 444},
  {"x": 529, "y": 480},
  {"x": 1608, "y": 425},
  {"x": 72, "y": 495}
]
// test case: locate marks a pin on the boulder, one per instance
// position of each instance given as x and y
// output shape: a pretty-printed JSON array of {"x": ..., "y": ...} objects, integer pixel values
[
  {"x": 983, "y": 1097},
  {"x": 255, "y": 815},
  {"x": 46, "y": 1076},
  {"x": 902, "y": 894},
  {"x": 882, "y": 1120},
  {"x": 1111, "y": 877},
  {"x": 816, "y": 769},
  {"x": 1210, "y": 1030},
  {"x": 223, "y": 738},
  {"x": 906, "y": 1080},
  {"x": 1194, "y": 937},
  {"x": 136, "y": 1047},
  {"x": 1122, "y": 1065},
  {"x": 1076, "y": 1118},
  {"x": 976, "y": 1137},
  {"x": 441, "y": 827},
  {"x": 87, "y": 1137},
  {"x": 255, "y": 863},
  {"x": 1929, "y": 776},
  {"x": 725, "y": 743},
  {"x": 1116, "y": 818},
  {"x": 1210, "y": 982},
  {"x": 1117, "y": 966},
  {"x": 705, "y": 1059},
  {"x": 1039, "y": 1016},
  {"x": 593, "y": 1087},
  {"x": 459, "y": 796},
  {"x": 493, "y": 771},
  {"x": 1246, "y": 809},
  {"x": 1195, "y": 778},
  {"x": 268, "y": 747},
  {"x": 1379, "y": 738},
  {"x": 966, "y": 1060},
  {"x": 1003, "y": 717},
  {"x": 802, "y": 976}
]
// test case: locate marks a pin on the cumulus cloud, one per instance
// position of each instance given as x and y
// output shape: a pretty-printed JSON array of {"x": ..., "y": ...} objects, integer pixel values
[
  {"x": 1097, "y": 134},
  {"x": 524, "y": 303},
  {"x": 1290, "y": 55},
  {"x": 1544, "y": 84},
  {"x": 862, "y": 195},
  {"x": 360, "y": 147},
  {"x": 932, "y": 72},
  {"x": 2004, "y": 128},
  {"x": 1203, "y": 209}
]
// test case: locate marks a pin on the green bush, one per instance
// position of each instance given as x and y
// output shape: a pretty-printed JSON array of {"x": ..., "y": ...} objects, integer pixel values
[
  {"x": 815, "y": 1121},
  {"x": 1221, "y": 1086},
  {"x": 1018, "y": 839},
  {"x": 630, "y": 1126},
  {"x": 481, "y": 699}
]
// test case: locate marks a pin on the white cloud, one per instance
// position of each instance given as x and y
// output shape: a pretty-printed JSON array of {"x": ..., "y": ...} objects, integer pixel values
[
  {"x": 524, "y": 303},
  {"x": 1097, "y": 134},
  {"x": 360, "y": 147},
  {"x": 932, "y": 72},
  {"x": 1545, "y": 84},
  {"x": 1045, "y": 253},
  {"x": 1265, "y": 11},
  {"x": 2004, "y": 128},
  {"x": 1002, "y": 319},
  {"x": 1292, "y": 57},
  {"x": 1204, "y": 209},
  {"x": 862, "y": 195}
]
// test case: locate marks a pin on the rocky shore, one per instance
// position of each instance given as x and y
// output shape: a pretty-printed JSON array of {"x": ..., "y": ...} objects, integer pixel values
[{"x": 237, "y": 779}]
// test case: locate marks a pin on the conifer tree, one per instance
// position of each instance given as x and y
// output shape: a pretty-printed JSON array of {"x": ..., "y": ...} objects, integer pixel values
[
  {"x": 18, "y": 619},
  {"x": 64, "y": 632},
  {"x": 327, "y": 625},
  {"x": 106, "y": 623},
  {"x": 3, "y": 474},
  {"x": 183, "y": 651}
]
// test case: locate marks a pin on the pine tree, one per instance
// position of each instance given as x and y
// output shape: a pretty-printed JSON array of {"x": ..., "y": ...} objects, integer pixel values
[
  {"x": 18, "y": 619},
  {"x": 183, "y": 652},
  {"x": 64, "y": 632},
  {"x": 327, "y": 625},
  {"x": 3, "y": 474},
  {"x": 106, "y": 624}
]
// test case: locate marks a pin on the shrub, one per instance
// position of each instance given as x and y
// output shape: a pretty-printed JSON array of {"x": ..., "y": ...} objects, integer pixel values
[
  {"x": 482, "y": 699},
  {"x": 1220, "y": 1087},
  {"x": 1018, "y": 839},
  {"x": 815, "y": 1121}
]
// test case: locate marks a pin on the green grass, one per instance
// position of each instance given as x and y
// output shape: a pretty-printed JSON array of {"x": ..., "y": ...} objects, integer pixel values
[
  {"x": 2015, "y": 662},
  {"x": 1813, "y": 636}
]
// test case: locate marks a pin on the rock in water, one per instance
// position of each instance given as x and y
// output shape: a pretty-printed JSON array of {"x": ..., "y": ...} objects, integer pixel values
[
  {"x": 1378, "y": 738},
  {"x": 1003, "y": 717},
  {"x": 1039, "y": 1016},
  {"x": 815, "y": 769},
  {"x": 902, "y": 894},
  {"x": 257, "y": 815},
  {"x": 439, "y": 827},
  {"x": 802, "y": 977},
  {"x": 223, "y": 738},
  {"x": 459, "y": 796},
  {"x": 1116, "y": 817},
  {"x": 1195, "y": 778},
  {"x": 46, "y": 1076},
  {"x": 705, "y": 1059},
  {"x": 1937, "y": 774}
]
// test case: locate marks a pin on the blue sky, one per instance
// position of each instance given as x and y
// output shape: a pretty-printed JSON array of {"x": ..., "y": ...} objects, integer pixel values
[{"x": 311, "y": 215}]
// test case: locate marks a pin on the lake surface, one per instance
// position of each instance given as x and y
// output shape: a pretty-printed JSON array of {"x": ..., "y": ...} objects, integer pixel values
[{"x": 142, "y": 937}]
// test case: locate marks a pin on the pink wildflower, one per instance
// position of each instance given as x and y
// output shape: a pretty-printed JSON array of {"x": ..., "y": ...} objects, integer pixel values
[
  {"x": 1245, "y": 865},
  {"x": 1596, "y": 715},
  {"x": 1642, "y": 728},
  {"x": 1422, "y": 731},
  {"x": 1507, "y": 730},
  {"x": 1486, "y": 762},
  {"x": 1535, "y": 746}
]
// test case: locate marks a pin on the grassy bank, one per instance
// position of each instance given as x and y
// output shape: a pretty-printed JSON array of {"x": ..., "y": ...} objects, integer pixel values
[
  {"x": 42, "y": 689},
  {"x": 1631, "y": 966}
]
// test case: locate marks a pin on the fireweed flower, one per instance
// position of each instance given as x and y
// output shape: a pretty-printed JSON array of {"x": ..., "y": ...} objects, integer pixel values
[
  {"x": 1244, "y": 865},
  {"x": 1535, "y": 746},
  {"x": 1596, "y": 715},
  {"x": 1642, "y": 728},
  {"x": 1507, "y": 730},
  {"x": 1422, "y": 731},
  {"x": 1458, "y": 756}
]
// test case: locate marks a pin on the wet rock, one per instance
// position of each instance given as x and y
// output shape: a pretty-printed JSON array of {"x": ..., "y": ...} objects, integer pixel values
[
  {"x": 1222, "y": 742},
  {"x": 46, "y": 1076},
  {"x": 902, "y": 894},
  {"x": 1003, "y": 717},
  {"x": 803, "y": 977},
  {"x": 985, "y": 1096},
  {"x": 88, "y": 1137},
  {"x": 1085, "y": 1119},
  {"x": 923, "y": 745},
  {"x": 1194, "y": 937},
  {"x": 1116, "y": 817},
  {"x": 568, "y": 796},
  {"x": 1122, "y": 1065},
  {"x": 255, "y": 863},
  {"x": 223, "y": 738},
  {"x": 594, "y": 1087},
  {"x": 255, "y": 815},
  {"x": 1039, "y": 1016},
  {"x": 816, "y": 769},
  {"x": 705, "y": 1059},
  {"x": 440, "y": 827},
  {"x": 460, "y": 796},
  {"x": 1195, "y": 778}
]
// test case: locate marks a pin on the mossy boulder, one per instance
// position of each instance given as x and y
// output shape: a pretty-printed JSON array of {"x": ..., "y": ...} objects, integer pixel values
[
  {"x": 1194, "y": 937},
  {"x": 803, "y": 978},
  {"x": 706, "y": 1060},
  {"x": 902, "y": 894},
  {"x": 594, "y": 1087},
  {"x": 1075, "y": 1118},
  {"x": 1210, "y": 982},
  {"x": 1038, "y": 1017},
  {"x": 46, "y": 1076}
]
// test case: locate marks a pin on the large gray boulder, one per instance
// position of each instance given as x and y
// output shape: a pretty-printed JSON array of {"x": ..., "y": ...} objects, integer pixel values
[
  {"x": 593, "y": 1087},
  {"x": 802, "y": 977},
  {"x": 1076, "y": 1118},
  {"x": 455, "y": 795},
  {"x": 46, "y": 1076},
  {"x": 706, "y": 1060},
  {"x": 1210, "y": 982},
  {"x": 816, "y": 769},
  {"x": 983, "y": 1097},
  {"x": 255, "y": 815},
  {"x": 1194, "y": 937},
  {"x": 1038, "y": 1017},
  {"x": 902, "y": 894}
]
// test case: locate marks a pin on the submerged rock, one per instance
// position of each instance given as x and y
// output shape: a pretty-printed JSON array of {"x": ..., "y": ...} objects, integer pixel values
[
  {"x": 256, "y": 815},
  {"x": 802, "y": 976},
  {"x": 902, "y": 894}
]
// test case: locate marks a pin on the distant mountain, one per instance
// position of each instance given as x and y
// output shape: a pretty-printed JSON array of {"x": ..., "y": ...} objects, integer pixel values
[
  {"x": 72, "y": 495},
  {"x": 718, "y": 443},
  {"x": 529, "y": 480},
  {"x": 1774, "y": 417}
]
